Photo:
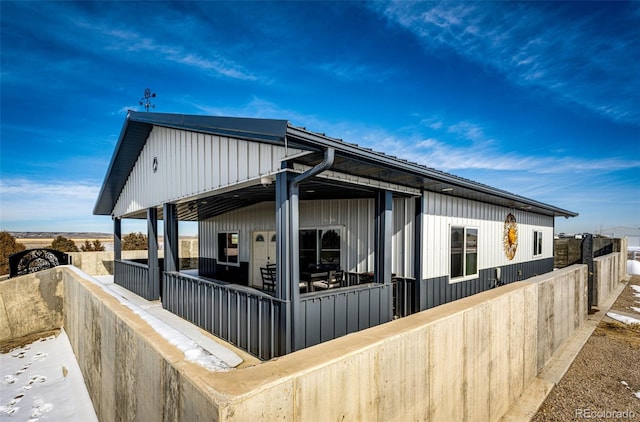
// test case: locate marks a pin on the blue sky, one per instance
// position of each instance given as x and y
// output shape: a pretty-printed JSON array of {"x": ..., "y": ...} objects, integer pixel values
[{"x": 539, "y": 99}]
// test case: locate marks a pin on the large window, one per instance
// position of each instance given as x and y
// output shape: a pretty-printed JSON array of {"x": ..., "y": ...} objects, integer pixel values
[
  {"x": 228, "y": 248},
  {"x": 319, "y": 247},
  {"x": 464, "y": 252},
  {"x": 537, "y": 243}
]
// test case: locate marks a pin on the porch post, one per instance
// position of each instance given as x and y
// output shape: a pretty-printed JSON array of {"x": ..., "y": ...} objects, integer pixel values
[
  {"x": 286, "y": 255},
  {"x": 153, "y": 290},
  {"x": 171, "y": 262},
  {"x": 419, "y": 297},
  {"x": 117, "y": 239},
  {"x": 383, "y": 237}
]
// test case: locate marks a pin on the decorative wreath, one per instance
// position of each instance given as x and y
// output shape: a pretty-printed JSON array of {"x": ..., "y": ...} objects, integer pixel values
[{"x": 510, "y": 237}]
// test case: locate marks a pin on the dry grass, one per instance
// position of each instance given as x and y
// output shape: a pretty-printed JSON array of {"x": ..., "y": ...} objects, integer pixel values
[{"x": 605, "y": 374}]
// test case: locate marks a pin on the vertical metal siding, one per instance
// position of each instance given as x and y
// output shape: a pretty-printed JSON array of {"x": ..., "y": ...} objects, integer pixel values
[
  {"x": 355, "y": 216},
  {"x": 443, "y": 211},
  {"x": 190, "y": 163}
]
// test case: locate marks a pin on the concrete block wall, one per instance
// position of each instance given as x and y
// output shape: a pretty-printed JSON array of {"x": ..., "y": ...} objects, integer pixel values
[
  {"x": 607, "y": 276},
  {"x": 466, "y": 360},
  {"x": 101, "y": 263},
  {"x": 562, "y": 308},
  {"x": 131, "y": 371},
  {"x": 30, "y": 305}
]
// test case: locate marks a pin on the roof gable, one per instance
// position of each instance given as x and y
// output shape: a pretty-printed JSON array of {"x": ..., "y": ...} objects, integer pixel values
[{"x": 355, "y": 159}]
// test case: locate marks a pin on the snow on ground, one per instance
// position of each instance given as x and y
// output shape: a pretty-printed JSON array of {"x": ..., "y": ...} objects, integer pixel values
[
  {"x": 623, "y": 318},
  {"x": 42, "y": 380},
  {"x": 633, "y": 267}
]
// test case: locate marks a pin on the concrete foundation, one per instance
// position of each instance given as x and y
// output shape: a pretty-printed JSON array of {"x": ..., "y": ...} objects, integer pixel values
[{"x": 467, "y": 360}]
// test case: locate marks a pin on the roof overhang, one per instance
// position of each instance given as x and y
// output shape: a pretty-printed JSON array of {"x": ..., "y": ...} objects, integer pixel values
[
  {"x": 138, "y": 125},
  {"x": 349, "y": 159},
  {"x": 363, "y": 162}
]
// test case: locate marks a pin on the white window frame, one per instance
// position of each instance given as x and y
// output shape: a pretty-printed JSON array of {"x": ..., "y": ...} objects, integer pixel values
[
  {"x": 464, "y": 276},
  {"x": 537, "y": 243},
  {"x": 219, "y": 253}
]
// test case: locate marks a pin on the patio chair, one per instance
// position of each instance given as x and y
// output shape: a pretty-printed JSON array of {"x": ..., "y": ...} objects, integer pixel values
[
  {"x": 334, "y": 279},
  {"x": 268, "y": 278}
]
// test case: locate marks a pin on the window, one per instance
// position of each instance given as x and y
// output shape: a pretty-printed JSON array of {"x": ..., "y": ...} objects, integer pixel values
[
  {"x": 464, "y": 252},
  {"x": 537, "y": 243},
  {"x": 319, "y": 247},
  {"x": 228, "y": 248}
]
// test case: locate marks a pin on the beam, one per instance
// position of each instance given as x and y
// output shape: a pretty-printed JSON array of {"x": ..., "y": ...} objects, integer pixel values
[{"x": 171, "y": 262}]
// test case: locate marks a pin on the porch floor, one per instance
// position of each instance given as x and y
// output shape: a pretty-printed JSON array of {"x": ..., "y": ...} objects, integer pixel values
[{"x": 225, "y": 351}]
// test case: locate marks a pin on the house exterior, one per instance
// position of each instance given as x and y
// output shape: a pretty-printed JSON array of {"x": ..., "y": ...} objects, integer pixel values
[{"x": 266, "y": 194}]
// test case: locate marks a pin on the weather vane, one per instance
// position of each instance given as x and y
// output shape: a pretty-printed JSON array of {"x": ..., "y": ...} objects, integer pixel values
[{"x": 145, "y": 101}]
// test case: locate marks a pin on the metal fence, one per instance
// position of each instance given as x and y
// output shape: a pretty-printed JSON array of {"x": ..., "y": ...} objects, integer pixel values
[
  {"x": 336, "y": 312},
  {"x": 133, "y": 277},
  {"x": 243, "y": 316}
]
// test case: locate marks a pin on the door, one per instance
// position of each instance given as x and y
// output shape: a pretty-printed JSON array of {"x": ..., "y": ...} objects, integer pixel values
[{"x": 263, "y": 253}]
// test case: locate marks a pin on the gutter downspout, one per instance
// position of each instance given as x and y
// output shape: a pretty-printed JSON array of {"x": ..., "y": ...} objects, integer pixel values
[{"x": 294, "y": 225}]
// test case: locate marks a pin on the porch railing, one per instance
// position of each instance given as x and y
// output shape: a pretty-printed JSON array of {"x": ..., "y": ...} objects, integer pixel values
[
  {"x": 238, "y": 314},
  {"x": 133, "y": 277},
  {"x": 336, "y": 312}
]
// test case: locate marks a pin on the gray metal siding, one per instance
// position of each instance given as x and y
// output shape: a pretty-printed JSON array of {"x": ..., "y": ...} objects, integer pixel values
[
  {"x": 191, "y": 163},
  {"x": 437, "y": 291},
  {"x": 333, "y": 314}
]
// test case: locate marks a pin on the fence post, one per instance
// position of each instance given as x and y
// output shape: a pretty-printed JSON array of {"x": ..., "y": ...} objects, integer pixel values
[{"x": 587, "y": 258}]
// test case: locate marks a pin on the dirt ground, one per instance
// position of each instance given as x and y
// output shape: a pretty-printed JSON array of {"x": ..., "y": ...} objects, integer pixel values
[{"x": 603, "y": 383}]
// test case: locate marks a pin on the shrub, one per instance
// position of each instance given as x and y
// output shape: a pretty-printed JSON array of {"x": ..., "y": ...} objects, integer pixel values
[
  {"x": 96, "y": 246},
  {"x": 63, "y": 244},
  {"x": 8, "y": 246},
  {"x": 135, "y": 242}
]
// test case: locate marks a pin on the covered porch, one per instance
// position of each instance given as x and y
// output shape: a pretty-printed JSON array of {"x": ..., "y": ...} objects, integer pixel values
[{"x": 327, "y": 280}]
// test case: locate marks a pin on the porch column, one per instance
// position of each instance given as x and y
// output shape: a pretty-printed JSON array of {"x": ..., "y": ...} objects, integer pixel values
[
  {"x": 420, "y": 293},
  {"x": 153, "y": 291},
  {"x": 286, "y": 258},
  {"x": 117, "y": 239},
  {"x": 383, "y": 237},
  {"x": 171, "y": 262}
]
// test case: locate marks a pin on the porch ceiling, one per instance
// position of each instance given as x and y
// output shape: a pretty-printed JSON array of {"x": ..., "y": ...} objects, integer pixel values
[{"x": 312, "y": 189}]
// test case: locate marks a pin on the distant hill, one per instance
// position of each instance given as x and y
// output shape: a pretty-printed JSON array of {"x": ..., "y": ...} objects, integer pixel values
[{"x": 68, "y": 235}]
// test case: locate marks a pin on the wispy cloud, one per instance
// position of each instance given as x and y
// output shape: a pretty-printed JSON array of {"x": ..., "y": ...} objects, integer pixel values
[
  {"x": 24, "y": 199},
  {"x": 354, "y": 72},
  {"x": 580, "y": 59},
  {"x": 118, "y": 40}
]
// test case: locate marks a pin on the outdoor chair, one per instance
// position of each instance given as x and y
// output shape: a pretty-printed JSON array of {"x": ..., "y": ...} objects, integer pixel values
[
  {"x": 268, "y": 278},
  {"x": 334, "y": 279}
]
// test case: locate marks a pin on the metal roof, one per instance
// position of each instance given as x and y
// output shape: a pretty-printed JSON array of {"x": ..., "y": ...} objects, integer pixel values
[{"x": 350, "y": 158}]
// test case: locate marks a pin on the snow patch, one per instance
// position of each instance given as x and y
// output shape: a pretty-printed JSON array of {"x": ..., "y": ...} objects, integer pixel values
[
  {"x": 623, "y": 318},
  {"x": 43, "y": 381},
  {"x": 626, "y": 384},
  {"x": 633, "y": 267},
  {"x": 192, "y": 351}
]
